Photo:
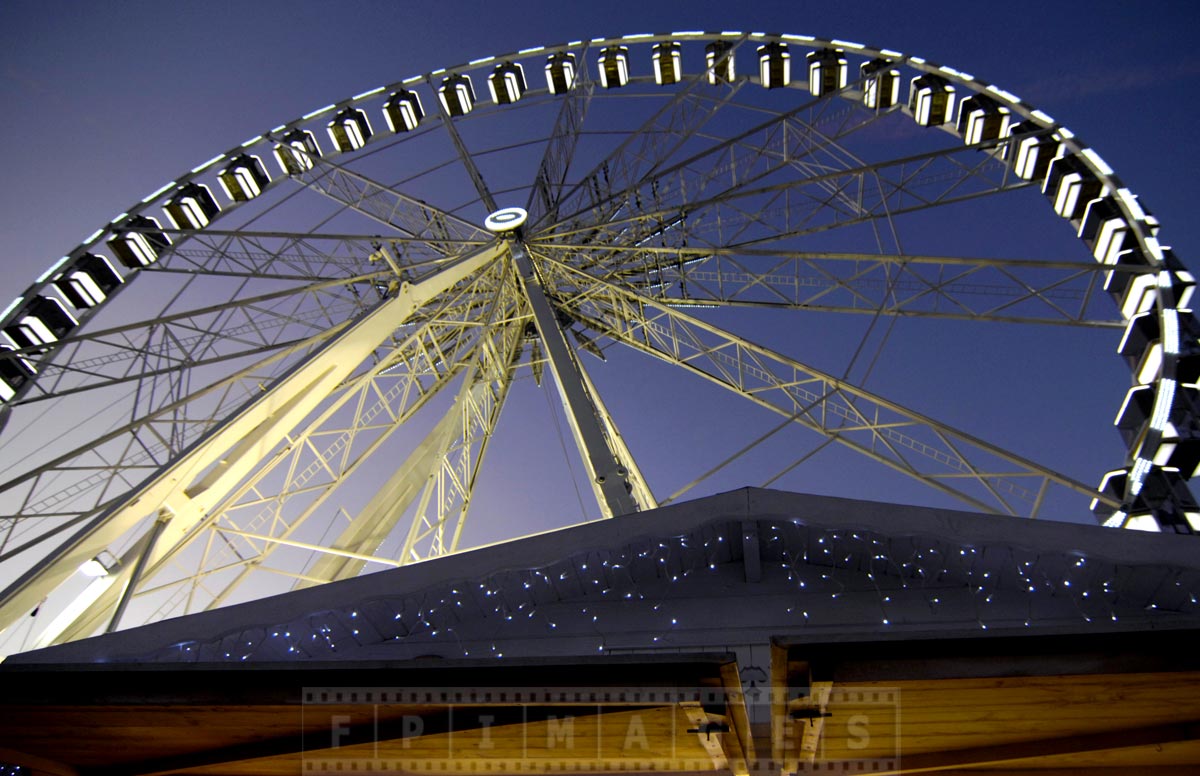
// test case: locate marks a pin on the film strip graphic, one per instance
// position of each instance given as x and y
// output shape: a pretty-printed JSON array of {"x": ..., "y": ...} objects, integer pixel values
[{"x": 592, "y": 729}]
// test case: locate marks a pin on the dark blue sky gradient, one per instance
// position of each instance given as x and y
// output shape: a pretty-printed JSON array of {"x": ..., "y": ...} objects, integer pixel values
[{"x": 105, "y": 102}]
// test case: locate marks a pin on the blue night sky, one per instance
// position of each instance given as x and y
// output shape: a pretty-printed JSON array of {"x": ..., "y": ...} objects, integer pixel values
[{"x": 105, "y": 102}]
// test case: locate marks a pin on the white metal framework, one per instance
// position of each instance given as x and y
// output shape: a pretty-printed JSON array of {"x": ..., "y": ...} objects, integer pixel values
[{"x": 317, "y": 361}]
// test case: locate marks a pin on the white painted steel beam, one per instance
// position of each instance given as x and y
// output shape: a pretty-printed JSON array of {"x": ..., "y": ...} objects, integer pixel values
[{"x": 212, "y": 467}]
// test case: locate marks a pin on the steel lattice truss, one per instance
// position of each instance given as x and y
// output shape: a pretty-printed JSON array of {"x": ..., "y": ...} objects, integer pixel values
[{"x": 311, "y": 371}]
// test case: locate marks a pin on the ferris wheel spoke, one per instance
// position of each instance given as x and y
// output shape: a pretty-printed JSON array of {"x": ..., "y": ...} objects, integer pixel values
[
  {"x": 808, "y": 140},
  {"x": 783, "y": 142},
  {"x": 310, "y": 256},
  {"x": 467, "y": 161},
  {"x": 276, "y": 255},
  {"x": 618, "y": 180},
  {"x": 231, "y": 450},
  {"x": 725, "y": 162},
  {"x": 375, "y": 521},
  {"x": 293, "y": 484},
  {"x": 263, "y": 516},
  {"x": 88, "y": 480},
  {"x": 131, "y": 451},
  {"x": 745, "y": 217},
  {"x": 265, "y": 255},
  {"x": 443, "y": 231},
  {"x": 462, "y": 443},
  {"x": 958, "y": 288},
  {"x": 188, "y": 340},
  {"x": 551, "y": 177},
  {"x": 942, "y": 457},
  {"x": 237, "y": 552},
  {"x": 883, "y": 192},
  {"x": 191, "y": 332}
]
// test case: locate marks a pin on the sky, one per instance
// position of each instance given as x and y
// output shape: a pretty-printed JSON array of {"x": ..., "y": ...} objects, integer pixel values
[{"x": 107, "y": 101}]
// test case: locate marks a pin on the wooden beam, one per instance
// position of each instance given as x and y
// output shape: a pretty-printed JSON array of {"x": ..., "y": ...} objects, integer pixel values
[
  {"x": 800, "y": 696},
  {"x": 779, "y": 689},
  {"x": 930, "y": 762},
  {"x": 705, "y": 727},
  {"x": 808, "y": 715},
  {"x": 407, "y": 724},
  {"x": 738, "y": 743},
  {"x": 1166, "y": 651}
]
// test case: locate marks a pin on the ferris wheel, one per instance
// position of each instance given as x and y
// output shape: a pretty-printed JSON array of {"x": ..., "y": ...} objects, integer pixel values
[{"x": 288, "y": 363}]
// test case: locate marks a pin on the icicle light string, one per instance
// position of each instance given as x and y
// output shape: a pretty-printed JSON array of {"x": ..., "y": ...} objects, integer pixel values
[{"x": 822, "y": 576}]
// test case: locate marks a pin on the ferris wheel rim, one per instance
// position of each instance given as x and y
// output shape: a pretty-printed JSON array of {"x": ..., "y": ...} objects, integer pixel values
[{"x": 261, "y": 142}]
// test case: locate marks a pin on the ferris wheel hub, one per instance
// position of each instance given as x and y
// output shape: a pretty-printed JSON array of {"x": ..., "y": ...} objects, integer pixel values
[{"x": 506, "y": 219}]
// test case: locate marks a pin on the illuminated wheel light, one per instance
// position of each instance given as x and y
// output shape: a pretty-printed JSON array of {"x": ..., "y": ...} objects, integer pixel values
[
  {"x": 1104, "y": 229},
  {"x": 15, "y": 372},
  {"x": 192, "y": 207},
  {"x": 560, "y": 72},
  {"x": 296, "y": 152},
  {"x": 668, "y": 63},
  {"x": 457, "y": 94},
  {"x": 506, "y": 219},
  {"x": 141, "y": 248},
  {"x": 1070, "y": 185},
  {"x": 507, "y": 83},
  {"x": 718, "y": 58},
  {"x": 350, "y": 130},
  {"x": 44, "y": 322},
  {"x": 931, "y": 100},
  {"x": 403, "y": 111},
  {"x": 89, "y": 282},
  {"x": 1031, "y": 150},
  {"x": 981, "y": 119},
  {"x": 827, "y": 71},
  {"x": 244, "y": 178},
  {"x": 614, "y": 67},
  {"x": 774, "y": 65},
  {"x": 881, "y": 84},
  {"x": 1163, "y": 404}
]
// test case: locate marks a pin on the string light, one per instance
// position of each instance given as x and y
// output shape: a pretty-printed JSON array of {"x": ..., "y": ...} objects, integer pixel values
[{"x": 823, "y": 577}]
